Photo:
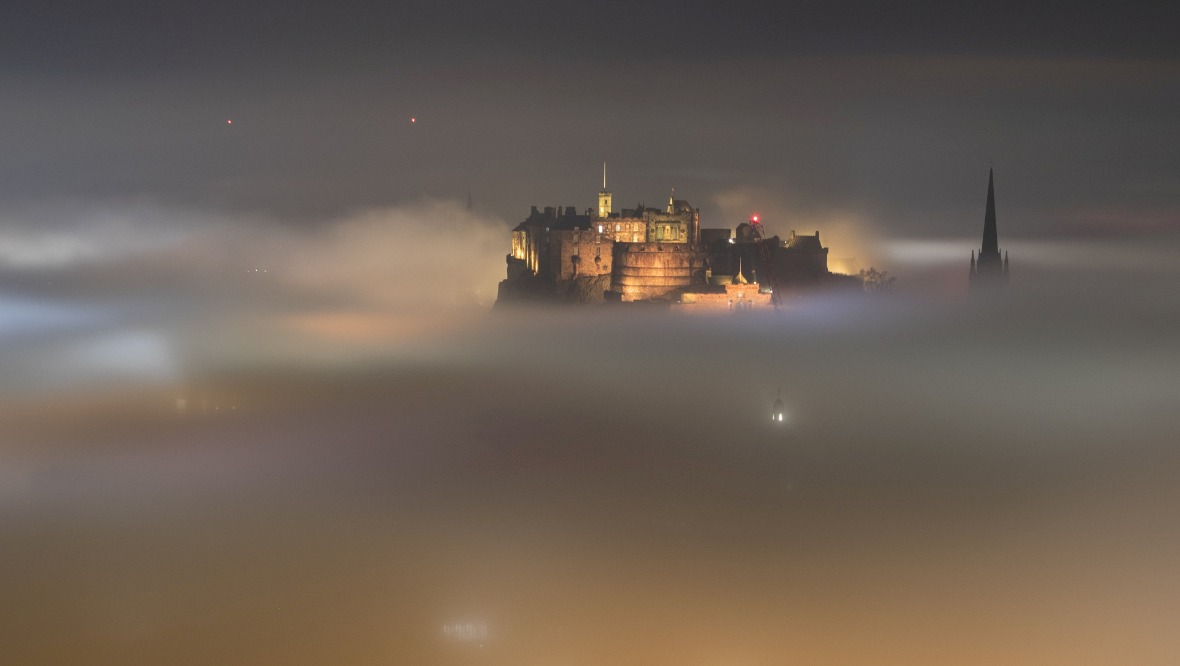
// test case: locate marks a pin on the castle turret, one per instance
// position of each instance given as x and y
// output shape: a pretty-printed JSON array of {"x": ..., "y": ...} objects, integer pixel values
[
  {"x": 740, "y": 278},
  {"x": 604, "y": 199}
]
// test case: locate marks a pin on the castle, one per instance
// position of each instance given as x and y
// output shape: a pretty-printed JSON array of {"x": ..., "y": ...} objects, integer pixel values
[{"x": 656, "y": 255}]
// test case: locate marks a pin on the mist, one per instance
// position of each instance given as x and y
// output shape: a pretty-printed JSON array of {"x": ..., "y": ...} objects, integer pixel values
[
  {"x": 232, "y": 441},
  {"x": 257, "y": 406},
  {"x": 172, "y": 293}
]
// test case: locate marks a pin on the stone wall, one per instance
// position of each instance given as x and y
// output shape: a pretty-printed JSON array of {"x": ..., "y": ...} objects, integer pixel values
[
  {"x": 624, "y": 229},
  {"x": 735, "y": 298},
  {"x": 645, "y": 271},
  {"x": 579, "y": 253}
]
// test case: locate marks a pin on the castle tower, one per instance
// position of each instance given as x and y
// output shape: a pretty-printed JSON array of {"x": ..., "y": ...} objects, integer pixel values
[
  {"x": 604, "y": 202},
  {"x": 989, "y": 266}
]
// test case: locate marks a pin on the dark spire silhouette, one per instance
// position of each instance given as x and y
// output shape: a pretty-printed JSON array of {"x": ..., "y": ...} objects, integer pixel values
[
  {"x": 989, "y": 266},
  {"x": 991, "y": 243}
]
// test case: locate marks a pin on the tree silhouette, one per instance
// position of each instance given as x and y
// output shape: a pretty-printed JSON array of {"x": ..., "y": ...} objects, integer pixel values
[{"x": 876, "y": 281}]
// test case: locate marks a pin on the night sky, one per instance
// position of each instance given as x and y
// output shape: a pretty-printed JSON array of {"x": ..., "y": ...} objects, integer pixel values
[
  {"x": 812, "y": 112},
  {"x": 255, "y": 407}
]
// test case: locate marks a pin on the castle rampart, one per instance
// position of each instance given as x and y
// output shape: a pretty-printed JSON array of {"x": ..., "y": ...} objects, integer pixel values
[{"x": 645, "y": 271}]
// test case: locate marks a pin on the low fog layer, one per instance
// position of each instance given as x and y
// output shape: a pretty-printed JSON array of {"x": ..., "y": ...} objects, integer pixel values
[
  {"x": 141, "y": 291},
  {"x": 225, "y": 444}
]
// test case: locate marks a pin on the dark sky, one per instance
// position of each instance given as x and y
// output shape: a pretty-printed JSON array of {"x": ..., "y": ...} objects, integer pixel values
[{"x": 811, "y": 112}]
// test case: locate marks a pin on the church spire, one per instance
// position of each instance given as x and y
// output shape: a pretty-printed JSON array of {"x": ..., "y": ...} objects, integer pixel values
[
  {"x": 991, "y": 243},
  {"x": 989, "y": 265}
]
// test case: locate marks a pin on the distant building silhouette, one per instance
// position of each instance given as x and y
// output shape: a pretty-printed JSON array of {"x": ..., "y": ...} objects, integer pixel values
[{"x": 989, "y": 268}]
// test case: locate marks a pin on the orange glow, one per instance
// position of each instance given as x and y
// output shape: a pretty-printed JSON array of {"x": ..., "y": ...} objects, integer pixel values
[
  {"x": 352, "y": 325},
  {"x": 361, "y": 327}
]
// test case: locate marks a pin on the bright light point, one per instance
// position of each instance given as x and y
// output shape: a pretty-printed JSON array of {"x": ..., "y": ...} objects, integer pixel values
[
  {"x": 413, "y": 120},
  {"x": 229, "y": 122}
]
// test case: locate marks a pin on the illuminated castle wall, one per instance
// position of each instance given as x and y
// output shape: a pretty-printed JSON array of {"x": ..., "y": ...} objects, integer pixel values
[
  {"x": 646, "y": 271},
  {"x": 652, "y": 254},
  {"x": 736, "y": 295},
  {"x": 576, "y": 253}
]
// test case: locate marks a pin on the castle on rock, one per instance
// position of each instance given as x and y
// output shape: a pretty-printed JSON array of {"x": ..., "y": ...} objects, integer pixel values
[{"x": 657, "y": 255}]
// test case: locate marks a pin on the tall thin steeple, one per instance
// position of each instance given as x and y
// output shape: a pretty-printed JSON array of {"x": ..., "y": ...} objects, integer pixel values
[
  {"x": 989, "y": 266},
  {"x": 740, "y": 278},
  {"x": 991, "y": 243}
]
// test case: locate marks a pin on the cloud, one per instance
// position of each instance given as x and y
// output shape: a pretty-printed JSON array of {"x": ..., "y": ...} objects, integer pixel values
[
  {"x": 434, "y": 254},
  {"x": 109, "y": 289},
  {"x": 67, "y": 234}
]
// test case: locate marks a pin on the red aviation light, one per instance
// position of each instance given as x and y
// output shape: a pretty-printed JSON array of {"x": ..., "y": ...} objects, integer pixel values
[{"x": 754, "y": 218}]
